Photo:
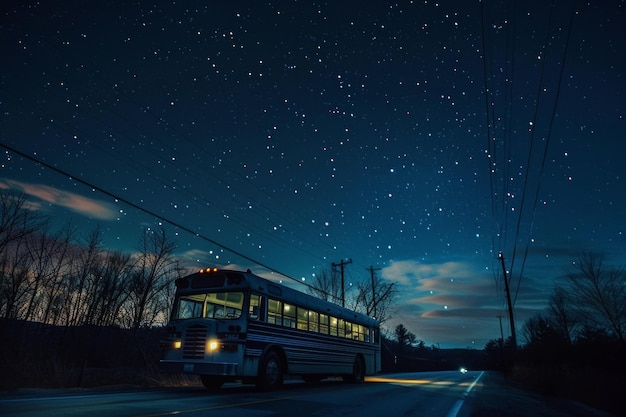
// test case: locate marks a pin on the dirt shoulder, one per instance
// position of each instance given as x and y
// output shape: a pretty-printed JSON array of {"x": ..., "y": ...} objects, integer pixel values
[{"x": 494, "y": 396}]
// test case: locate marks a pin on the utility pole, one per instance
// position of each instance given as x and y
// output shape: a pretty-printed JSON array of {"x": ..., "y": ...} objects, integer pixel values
[
  {"x": 342, "y": 264},
  {"x": 501, "y": 332},
  {"x": 508, "y": 300},
  {"x": 374, "y": 302},
  {"x": 501, "y": 342}
]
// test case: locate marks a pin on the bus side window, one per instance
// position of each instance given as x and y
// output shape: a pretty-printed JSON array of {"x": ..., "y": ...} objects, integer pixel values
[
  {"x": 274, "y": 311},
  {"x": 349, "y": 333},
  {"x": 350, "y": 330},
  {"x": 313, "y": 323},
  {"x": 324, "y": 323},
  {"x": 341, "y": 328},
  {"x": 303, "y": 322},
  {"x": 361, "y": 333},
  {"x": 289, "y": 316},
  {"x": 333, "y": 326},
  {"x": 255, "y": 307}
]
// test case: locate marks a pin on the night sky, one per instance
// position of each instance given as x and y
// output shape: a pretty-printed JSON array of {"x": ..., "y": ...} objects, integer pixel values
[{"x": 418, "y": 137}]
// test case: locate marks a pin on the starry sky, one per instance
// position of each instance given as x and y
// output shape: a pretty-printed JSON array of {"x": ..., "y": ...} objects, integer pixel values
[{"x": 420, "y": 138}]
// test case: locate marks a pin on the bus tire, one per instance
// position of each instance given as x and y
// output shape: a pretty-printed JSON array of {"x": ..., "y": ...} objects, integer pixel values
[
  {"x": 270, "y": 372},
  {"x": 358, "y": 371},
  {"x": 211, "y": 383}
]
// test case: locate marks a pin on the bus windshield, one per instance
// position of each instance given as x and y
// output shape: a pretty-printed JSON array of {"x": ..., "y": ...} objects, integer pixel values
[{"x": 213, "y": 305}]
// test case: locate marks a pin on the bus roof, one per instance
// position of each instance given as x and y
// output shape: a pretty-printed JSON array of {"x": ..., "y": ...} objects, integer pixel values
[{"x": 213, "y": 279}]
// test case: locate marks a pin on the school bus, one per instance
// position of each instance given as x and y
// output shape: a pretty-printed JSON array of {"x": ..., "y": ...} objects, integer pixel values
[{"x": 231, "y": 325}]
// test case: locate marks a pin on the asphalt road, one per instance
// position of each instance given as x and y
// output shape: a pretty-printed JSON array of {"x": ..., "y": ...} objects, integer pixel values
[{"x": 431, "y": 394}]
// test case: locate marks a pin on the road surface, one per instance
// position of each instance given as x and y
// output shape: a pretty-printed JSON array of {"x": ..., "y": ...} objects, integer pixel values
[{"x": 425, "y": 394}]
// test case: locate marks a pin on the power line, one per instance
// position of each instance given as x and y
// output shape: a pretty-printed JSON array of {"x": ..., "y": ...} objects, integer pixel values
[
  {"x": 151, "y": 213},
  {"x": 167, "y": 126},
  {"x": 545, "y": 151},
  {"x": 489, "y": 130},
  {"x": 532, "y": 138},
  {"x": 493, "y": 153}
]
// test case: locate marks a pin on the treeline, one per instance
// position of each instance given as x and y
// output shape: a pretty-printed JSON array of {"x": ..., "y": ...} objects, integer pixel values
[
  {"x": 575, "y": 349},
  {"x": 62, "y": 278},
  {"x": 589, "y": 306},
  {"x": 404, "y": 352}
]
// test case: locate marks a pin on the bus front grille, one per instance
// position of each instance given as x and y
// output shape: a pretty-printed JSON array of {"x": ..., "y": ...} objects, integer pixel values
[{"x": 195, "y": 342}]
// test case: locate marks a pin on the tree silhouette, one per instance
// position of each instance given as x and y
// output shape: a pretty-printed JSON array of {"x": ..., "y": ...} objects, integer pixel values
[
  {"x": 155, "y": 270},
  {"x": 598, "y": 294}
]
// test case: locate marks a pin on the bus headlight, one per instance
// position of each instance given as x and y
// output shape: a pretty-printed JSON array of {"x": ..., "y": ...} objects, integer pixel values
[
  {"x": 212, "y": 346},
  {"x": 177, "y": 344}
]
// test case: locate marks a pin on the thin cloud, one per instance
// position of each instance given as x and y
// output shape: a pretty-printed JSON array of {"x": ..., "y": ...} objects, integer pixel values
[
  {"x": 454, "y": 301},
  {"x": 412, "y": 272},
  {"x": 72, "y": 201}
]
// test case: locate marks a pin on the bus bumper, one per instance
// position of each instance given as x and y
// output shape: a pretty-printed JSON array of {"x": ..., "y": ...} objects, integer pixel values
[{"x": 200, "y": 368}]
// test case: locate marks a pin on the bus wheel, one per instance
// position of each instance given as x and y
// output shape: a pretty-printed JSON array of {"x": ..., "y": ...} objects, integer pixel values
[
  {"x": 270, "y": 372},
  {"x": 211, "y": 383},
  {"x": 358, "y": 371}
]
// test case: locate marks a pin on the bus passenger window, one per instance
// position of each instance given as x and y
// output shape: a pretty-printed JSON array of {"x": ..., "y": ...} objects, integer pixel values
[
  {"x": 341, "y": 328},
  {"x": 289, "y": 316},
  {"x": 255, "y": 307},
  {"x": 274, "y": 312},
  {"x": 303, "y": 322},
  {"x": 323, "y": 323},
  {"x": 333, "y": 326},
  {"x": 349, "y": 333},
  {"x": 313, "y": 326},
  {"x": 361, "y": 333}
]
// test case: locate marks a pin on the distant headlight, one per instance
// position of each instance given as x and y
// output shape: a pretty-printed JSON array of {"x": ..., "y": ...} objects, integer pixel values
[{"x": 463, "y": 370}]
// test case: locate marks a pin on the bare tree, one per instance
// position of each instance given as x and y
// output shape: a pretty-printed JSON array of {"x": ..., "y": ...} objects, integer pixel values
[
  {"x": 47, "y": 253},
  {"x": 598, "y": 293},
  {"x": 372, "y": 297},
  {"x": 562, "y": 314},
  {"x": 326, "y": 286},
  {"x": 155, "y": 270},
  {"x": 14, "y": 282},
  {"x": 375, "y": 296},
  {"x": 17, "y": 223},
  {"x": 16, "y": 220},
  {"x": 80, "y": 280},
  {"x": 52, "y": 293},
  {"x": 110, "y": 293},
  {"x": 540, "y": 330}
]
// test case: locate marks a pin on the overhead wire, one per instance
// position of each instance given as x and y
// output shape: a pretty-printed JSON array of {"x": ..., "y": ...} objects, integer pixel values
[
  {"x": 162, "y": 121},
  {"x": 532, "y": 140},
  {"x": 501, "y": 168},
  {"x": 494, "y": 163},
  {"x": 172, "y": 184},
  {"x": 489, "y": 150},
  {"x": 151, "y": 213},
  {"x": 507, "y": 134},
  {"x": 546, "y": 147}
]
